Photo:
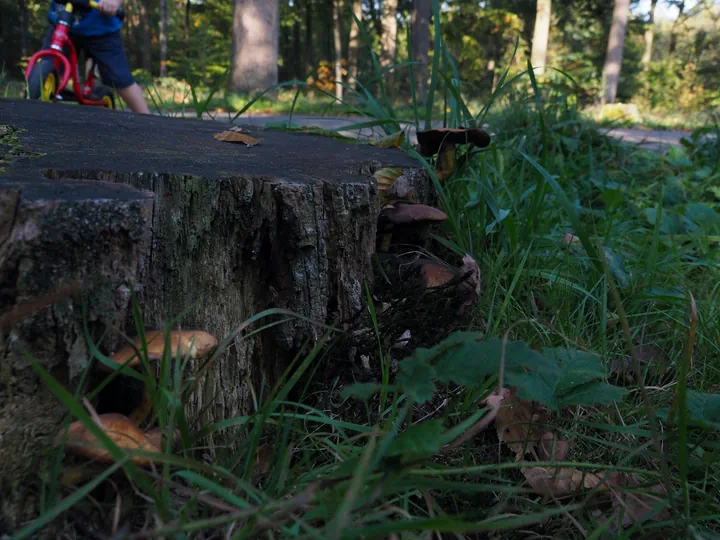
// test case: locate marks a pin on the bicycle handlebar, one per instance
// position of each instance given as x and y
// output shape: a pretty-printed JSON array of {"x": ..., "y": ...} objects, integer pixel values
[{"x": 120, "y": 13}]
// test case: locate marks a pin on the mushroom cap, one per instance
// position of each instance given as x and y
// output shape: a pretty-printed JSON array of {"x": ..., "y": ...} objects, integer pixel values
[
  {"x": 410, "y": 214},
  {"x": 431, "y": 140},
  {"x": 434, "y": 274},
  {"x": 120, "y": 429},
  {"x": 157, "y": 437},
  {"x": 196, "y": 343}
]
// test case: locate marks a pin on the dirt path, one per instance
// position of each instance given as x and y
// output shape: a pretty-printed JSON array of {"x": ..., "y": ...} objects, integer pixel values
[{"x": 650, "y": 139}]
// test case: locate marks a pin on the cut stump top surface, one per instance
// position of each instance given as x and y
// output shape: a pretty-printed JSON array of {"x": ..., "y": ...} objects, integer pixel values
[{"x": 74, "y": 138}]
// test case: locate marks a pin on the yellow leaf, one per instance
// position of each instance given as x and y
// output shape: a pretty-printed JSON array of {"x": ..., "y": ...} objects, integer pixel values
[
  {"x": 386, "y": 177},
  {"x": 393, "y": 140}
]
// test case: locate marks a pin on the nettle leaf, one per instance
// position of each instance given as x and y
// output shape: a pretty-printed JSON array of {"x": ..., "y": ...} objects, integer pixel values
[
  {"x": 423, "y": 439},
  {"x": 704, "y": 217},
  {"x": 417, "y": 377},
  {"x": 362, "y": 391},
  {"x": 704, "y": 409},
  {"x": 593, "y": 393},
  {"x": 553, "y": 377}
]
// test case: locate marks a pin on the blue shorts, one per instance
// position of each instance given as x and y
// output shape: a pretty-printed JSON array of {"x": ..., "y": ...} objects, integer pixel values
[{"x": 108, "y": 52}]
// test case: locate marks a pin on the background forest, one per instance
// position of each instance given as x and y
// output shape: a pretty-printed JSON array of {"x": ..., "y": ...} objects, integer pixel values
[{"x": 669, "y": 63}]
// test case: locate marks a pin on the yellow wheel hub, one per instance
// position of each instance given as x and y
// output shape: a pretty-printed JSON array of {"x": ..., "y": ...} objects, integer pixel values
[
  {"x": 107, "y": 100},
  {"x": 49, "y": 87}
]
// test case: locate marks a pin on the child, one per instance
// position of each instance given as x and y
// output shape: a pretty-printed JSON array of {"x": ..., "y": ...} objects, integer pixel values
[{"x": 97, "y": 32}]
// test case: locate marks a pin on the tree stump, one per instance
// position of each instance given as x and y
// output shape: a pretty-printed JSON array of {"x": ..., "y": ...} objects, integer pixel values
[{"x": 95, "y": 204}]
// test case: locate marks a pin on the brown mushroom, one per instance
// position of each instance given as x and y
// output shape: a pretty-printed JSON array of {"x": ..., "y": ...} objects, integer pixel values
[
  {"x": 401, "y": 213},
  {"x": 195, "y": 342},
  {"x": 406, "y": 223},
  {"x": 120, "y": 429},
  {"x": 157, "y": 437},
  {"x": 434, "y": 275},
  {"x": 432, "y": 140}
]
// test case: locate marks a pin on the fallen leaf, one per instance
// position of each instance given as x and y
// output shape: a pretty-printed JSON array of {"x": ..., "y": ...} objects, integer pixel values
[
  {"x": 386, "y": 177},
  {"x": 569, "y": 239},
  {"x": 631, "y": 506},
  {"x": 262, "y": 458},
  {"x": 472, "y": 283},
  {"x": 559, "y": 482},
  {"x": 551, "y": 448},
  {"x": 394, "y": 140},
  {"x": 520, "y": 424},
  {"x": 233, "y": 136}
]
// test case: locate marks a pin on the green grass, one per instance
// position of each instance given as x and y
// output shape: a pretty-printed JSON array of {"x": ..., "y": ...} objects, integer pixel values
[{"x": 649, "y": 231}]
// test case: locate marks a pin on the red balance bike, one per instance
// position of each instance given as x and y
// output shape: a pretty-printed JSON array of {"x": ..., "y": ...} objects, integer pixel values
[{"x": 49, "y": 70}]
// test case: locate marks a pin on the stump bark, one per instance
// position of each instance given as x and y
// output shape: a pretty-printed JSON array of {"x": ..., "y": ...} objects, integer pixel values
[{"x": 109, "y": 202}]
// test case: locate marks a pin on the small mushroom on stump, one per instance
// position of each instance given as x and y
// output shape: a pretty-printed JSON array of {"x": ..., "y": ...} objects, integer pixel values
[
  {"x": 196, "y": 343},
  {"x": 406, "y": 223},
  {"x": 443, "y": 141},
  {"x": 461, "y": 283},
  {"x": 193, "y": 343},
  {"x": 120, "y": 429}
]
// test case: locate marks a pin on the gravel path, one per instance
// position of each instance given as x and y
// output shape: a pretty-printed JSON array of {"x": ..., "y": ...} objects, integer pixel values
[{"x": 650, "y": 139}]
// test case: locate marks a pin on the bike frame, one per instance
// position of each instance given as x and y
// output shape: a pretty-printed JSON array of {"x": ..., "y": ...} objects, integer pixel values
[{"x": 64, "y": 67}]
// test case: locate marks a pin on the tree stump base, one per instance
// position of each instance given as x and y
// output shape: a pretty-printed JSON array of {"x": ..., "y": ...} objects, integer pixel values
[{"x": 103, "y": 203}]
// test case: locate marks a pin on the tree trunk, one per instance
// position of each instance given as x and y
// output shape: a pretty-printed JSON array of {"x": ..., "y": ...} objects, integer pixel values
[
  {"x": 649, "y": 35},
  {"x": 25, "y": 38},
  {"x": 354, "y": 43},
  {"x": 421, "y": 44},
  {"x": 337, "y": 31},
  {"x": 163, "y": 37},
  {"x": 297, "y": 52},
  {"x": 187, "y": 28},
  {"x": 614, "y": 56},
  {"x": 388, "y": 39},
  {"x": 674, "y": 31},
  {"x": 255, "y": 39},
  {"x": 538, "y": 57},
  {"x": 309, "y": 45},
  {"x": 146, "y": 40},
  {"x": 220, "y": 234}
]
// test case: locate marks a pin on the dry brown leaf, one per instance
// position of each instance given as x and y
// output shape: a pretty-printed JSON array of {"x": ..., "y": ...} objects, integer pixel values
[
  {"x": 386, "y": 177},
  {"x": 472, "y": 283},
  {"x": 569, "y": 239},
  {"x": 234, "y": 136},
  {"x": 559, "y": 482},
  {"x": 629, "y": 507},
  {"x": 520, "y": 424},
  {"x": 394, "y": 140},
  {"x": 551, "y": 448}
]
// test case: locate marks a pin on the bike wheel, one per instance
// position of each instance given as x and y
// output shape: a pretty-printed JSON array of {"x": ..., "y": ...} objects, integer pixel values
[
  {"x": 106, "y": 95},
  {"x": 43, "y": 81}
]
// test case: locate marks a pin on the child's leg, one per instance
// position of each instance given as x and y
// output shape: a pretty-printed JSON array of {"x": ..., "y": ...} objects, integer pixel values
[{"x": 109, "y": 54}]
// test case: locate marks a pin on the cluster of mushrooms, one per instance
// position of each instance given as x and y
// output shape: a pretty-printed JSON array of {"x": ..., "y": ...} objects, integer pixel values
[
  {"x": 403, "y": 223},
  {"x": 125, "y": 431}
]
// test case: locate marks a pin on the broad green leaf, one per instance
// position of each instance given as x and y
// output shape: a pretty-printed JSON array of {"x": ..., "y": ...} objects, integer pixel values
[
  {"x": 593, "y": 393},
  {"x": 424, "y": 439},
  {"x": 702, "y": 215},
  {"x": 417, "y": 379},
  {"x": 362, "y": 391}
]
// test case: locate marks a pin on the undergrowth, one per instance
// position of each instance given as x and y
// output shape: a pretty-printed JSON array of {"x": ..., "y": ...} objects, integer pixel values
[{"x": 600, "y": 296}]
